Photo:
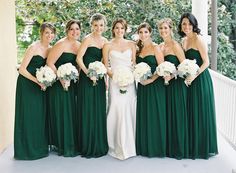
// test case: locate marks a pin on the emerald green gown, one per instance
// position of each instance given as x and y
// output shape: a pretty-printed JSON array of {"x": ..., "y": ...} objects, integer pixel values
[
  {"x": 151, "y": 115},
  {"x": 201, "y": 113},
  {"x": 62, "y": 114},
  {"x": 92, "y": 110},
  {"x": 177, "y": 122},
  {"x": 30, "y": 133}
]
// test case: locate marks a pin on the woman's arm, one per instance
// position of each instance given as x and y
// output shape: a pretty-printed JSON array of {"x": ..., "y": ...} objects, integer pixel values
[
  {"x": 105, "y": 54},
  {"x": 203, "y": 52},
  {"x": 26, "y": 60},
  {"x": 179, "y": 52},
  {"x": 201, "y": 46},
  {"x": 133, "y": 48},
  {"x": 81, "y": 51},
  {"x": 159, "y": 58},
  {"x": 53, "y": 55}
]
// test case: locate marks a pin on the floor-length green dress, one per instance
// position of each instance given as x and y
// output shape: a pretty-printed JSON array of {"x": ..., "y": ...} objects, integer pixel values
[
  {"x": 62, "y": 114},
  {"x": 30, "y": 133},
  {"x": 176, "y": 109},
  {"x": 201, "y": 113},
  {"x": 151, "y": 115},
  {"x": 92, "y": 110}
]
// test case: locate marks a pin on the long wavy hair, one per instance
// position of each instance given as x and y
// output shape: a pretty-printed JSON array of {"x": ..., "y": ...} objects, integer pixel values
[{"x": 139, "y": 42}]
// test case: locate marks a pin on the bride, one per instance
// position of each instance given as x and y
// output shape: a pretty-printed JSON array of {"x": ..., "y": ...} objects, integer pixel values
[{"x": 119, "y": 53}]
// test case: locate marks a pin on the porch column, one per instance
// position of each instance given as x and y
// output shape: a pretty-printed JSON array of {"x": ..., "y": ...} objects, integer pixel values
[
  {"x": 200, "y": 11},
  {"x": 8, "y": 54}
]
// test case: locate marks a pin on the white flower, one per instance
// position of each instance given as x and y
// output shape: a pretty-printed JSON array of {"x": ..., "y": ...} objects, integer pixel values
[
  {"x": 166, "y": 69},
  {"x": 67, "y": 72},
  {"x": 96, "y": 71},
  {"x": 135, "y": 37},
  {"x": 142, "y": 71},
  {"x": 223, "y": 8},
  {"x": 123, "y": 77},
  {"x": 188, "y": 68},
  {"x": 129, "y": 29},
  {"x": 46, "y": 76}
]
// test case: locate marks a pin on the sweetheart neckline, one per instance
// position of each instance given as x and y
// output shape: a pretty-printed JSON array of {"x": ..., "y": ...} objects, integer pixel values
[{"x": 121, "y": 51}]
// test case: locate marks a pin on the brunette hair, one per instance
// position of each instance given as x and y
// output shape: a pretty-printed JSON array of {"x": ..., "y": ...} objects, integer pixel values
[
  {"x": 140, "y": 43},
  {"x": 192, "y": 19},
  {"x": 71, "y": 22},
  {"x": 122, "y": 22},
  {"x": 47, "y": 25}
]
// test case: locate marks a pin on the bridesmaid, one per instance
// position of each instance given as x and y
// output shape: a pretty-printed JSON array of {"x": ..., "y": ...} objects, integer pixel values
[
  {"x": 120, "y": 53},
  {"x": 176, "y": 95},
  {"x": 62, "y": 104},
  {"x": 201, "y": 104},
  {"x": 92, "y": 108},
  {"x": 151, "y": 108},
  {"x": 30, "y": 135}
]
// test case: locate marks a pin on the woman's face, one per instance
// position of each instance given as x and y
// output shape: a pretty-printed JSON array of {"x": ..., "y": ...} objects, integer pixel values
[
  {"x": 119, "y": 30},
  {"x": 98, "y": 26},
  {"x": 144, "y": 34},
  {"x": 74, "y": 31},
  {"x": 186, "y": 26},
  {"x": 48, "y": 35},
  {"x": 164, "y": 30}
]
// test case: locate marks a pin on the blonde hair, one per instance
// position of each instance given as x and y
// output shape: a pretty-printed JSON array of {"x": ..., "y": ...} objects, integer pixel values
[
  {"x": 96, "y": 17},
  {"x": 169, "y": 22}
]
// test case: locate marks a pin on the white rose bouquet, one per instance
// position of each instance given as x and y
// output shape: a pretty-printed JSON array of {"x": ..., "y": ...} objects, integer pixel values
[
  {"x": 187, "y": 68},
  {"x": 123, "y": 77},
  {"x": 67, "y": 72},
  {"x": 142, "y": 71},
  {"x": 96, "y": 71},
  {"x": 46, "y": 76},
  {"x": 166, "y": 69}
]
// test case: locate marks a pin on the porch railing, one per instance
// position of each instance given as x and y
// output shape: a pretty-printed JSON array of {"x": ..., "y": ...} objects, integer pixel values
[{"x": 225, "y": 100}]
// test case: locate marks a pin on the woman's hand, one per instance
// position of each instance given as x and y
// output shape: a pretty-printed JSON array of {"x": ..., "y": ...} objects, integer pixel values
[
  {"x": 146, "y": 82},
  {"x": 65, "y": 84},
  {"x": 42, "y": 86},
  {"x": 167, "y": 79},
  {"x": 190, "y": 79}
]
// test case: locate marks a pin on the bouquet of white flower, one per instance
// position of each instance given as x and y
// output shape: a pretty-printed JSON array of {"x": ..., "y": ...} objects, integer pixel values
[
  {"x": 166, "y": 69},
  {"x": 96, "y": 71},
  {"x": 67, "y": 72},
  {"x": 46, "y": 76},
  {"x": 142, "y": 71},
  {"x": 123, "y": 77},
  {"x": 187, "y": 68}
]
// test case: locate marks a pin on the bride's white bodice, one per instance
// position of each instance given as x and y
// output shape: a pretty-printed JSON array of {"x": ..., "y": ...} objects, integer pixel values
[{"x": 119, "y": 59}]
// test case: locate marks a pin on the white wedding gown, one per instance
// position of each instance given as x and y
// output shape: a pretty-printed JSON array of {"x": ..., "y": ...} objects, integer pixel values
[{"x": 121, "y": 118}]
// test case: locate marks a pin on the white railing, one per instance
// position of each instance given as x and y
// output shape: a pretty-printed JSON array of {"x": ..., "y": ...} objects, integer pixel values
[{"x": 225, "y": 100}]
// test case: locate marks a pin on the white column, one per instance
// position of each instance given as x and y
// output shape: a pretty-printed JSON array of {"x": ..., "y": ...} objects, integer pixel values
[
  {"x": 8, "y": 54},
  {"x": 199, "y": 10},
  {"x": 214, "y": 35}
]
